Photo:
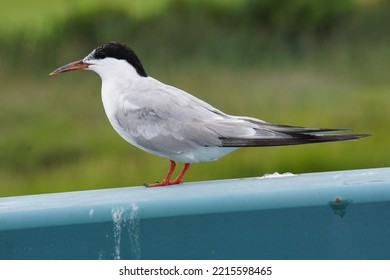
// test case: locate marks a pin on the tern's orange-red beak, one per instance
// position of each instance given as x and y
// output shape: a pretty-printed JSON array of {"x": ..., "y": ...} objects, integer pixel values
[{"x": 77, "y": 65}]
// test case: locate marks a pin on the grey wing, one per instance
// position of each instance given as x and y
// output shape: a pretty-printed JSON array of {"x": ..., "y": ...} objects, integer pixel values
[{"x": 167, "y": 119}]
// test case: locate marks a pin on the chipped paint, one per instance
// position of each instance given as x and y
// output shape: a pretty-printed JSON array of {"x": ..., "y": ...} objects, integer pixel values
[{"x": 339, "y": 206}]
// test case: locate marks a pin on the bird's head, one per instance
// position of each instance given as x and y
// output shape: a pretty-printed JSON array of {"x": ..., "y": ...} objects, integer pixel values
[{"x": 108, "y": 59}]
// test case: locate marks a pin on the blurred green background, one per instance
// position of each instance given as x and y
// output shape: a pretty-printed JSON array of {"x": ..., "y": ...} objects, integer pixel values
[{"x": 298, "y": 62}]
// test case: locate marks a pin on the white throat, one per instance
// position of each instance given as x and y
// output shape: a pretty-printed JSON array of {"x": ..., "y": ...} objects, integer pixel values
[{"x": 118, "y": 78}]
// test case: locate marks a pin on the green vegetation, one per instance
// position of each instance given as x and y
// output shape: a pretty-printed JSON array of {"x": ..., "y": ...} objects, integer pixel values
[{"x": 310, "y": 63}]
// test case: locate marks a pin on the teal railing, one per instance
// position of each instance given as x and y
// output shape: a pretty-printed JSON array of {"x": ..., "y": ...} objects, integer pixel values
[{"x": 332, "y": 215}]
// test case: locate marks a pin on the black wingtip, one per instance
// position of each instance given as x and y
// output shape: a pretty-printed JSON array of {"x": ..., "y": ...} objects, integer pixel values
[{"x": 293, "y": 139}]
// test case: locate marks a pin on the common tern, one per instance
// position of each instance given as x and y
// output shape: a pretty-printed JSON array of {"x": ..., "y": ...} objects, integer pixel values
[{"x": 171, "y": 123}]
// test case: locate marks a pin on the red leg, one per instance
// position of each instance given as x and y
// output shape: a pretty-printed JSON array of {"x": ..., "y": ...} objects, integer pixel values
[
  {"x": 179, "y": 178},
  {"x": 167, "y": 180}
]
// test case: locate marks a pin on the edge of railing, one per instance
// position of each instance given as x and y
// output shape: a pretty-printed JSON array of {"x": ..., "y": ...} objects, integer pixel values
[{"x": 333, "y": 191}]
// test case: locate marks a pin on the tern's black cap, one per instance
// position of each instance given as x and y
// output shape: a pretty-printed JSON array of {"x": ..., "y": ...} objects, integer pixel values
[{"x": 119, "y": 51}]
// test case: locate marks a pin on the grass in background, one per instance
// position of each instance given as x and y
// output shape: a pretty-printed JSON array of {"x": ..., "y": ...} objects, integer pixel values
[{"x": 55, "y": 137}]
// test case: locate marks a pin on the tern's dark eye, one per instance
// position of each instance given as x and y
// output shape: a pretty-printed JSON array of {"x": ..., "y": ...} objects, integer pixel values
[{"x": 119, "y": 51}]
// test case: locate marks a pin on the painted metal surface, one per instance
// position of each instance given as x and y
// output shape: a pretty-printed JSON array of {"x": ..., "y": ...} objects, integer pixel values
[{"x": 331, "y": 215}]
